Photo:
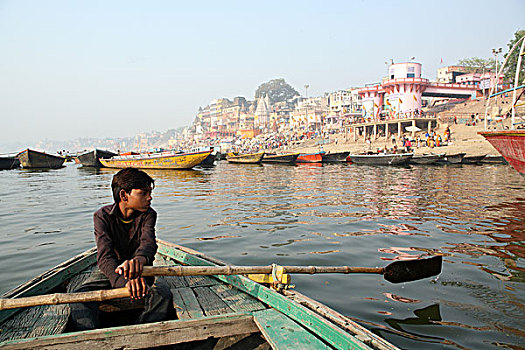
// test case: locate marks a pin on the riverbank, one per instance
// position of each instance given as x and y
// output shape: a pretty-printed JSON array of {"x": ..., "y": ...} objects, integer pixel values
[{"x": 465, "y": 139}]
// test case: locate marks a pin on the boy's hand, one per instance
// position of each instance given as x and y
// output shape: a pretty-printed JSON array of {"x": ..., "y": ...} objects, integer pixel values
[
  {"x": 131, "y": 269},
  {"x": 137, "y": 288}
]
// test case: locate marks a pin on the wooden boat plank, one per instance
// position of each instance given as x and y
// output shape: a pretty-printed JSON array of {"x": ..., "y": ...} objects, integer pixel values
[
  {"x": 50, "y": 279},
  {"x": 236, "y": 300},
  {"x": 327, "y": 331},
  {"x": 200, "y": 281},
  {"x": 210, "y": 302},
  {"x": 144, "y": 335},
  {"x": 283, "y": 333},
  {"x": 185, "y": 304},
  {"x": 35, "y": 322}
]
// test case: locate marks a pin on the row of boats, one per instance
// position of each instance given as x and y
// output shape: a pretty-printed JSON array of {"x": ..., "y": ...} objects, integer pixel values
[
  {"x": 207, "y": 157},
  {"x": 364, "y": 159}
]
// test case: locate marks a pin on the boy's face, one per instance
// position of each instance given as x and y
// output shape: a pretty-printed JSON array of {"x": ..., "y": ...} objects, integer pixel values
[{"x": 139, "y": 199}]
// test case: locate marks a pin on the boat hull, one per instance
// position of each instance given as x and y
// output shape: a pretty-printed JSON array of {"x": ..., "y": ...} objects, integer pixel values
[
  {"x": 472, "y": 159},
  {"x": 310, "y": 157},
  {"x": 9, "y": 163},
  {"x": 209, "y": 161},
  {"x": 250, "y": 158},
  {"x": 280, "y": 158},
  {"x": 494, "y": 159},
  {"x": 426, "y": 159},
  {"x": 454, "y": 158},
  {"x": 167, "y": 160},
  {"x": 34, "y": 159},
  {"x": 205, "y": 307},
  {"x": 91, "y": 158},
  {"x": 335, "y": 157},
  {"x": 381, "y": 159},
  {"x": 511, "y": 145}
]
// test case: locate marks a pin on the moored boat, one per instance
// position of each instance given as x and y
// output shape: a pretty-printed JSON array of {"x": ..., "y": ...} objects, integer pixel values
[
  {"x": 91, "y": 158},
  {"x": 9, "y": 163},
  {"x": 209, "y": 161},
  {"x": 34, "y": 159},
  {"x": 381, "y": 158},
  {"x": 455, "y": 158},
  {"x": 467, "y": 159},
  {"x": 218, "y": 308},
  {"x": 510, "y": 144},
  {"x": 426, "y": 158},
  {"x": 335, "y": 157},
  {"x": 316, "y": 157},
  {"x": 160, "y": 160},
  {"x": 494, "y": 159},
  {"x": 285, "y": 158},
  {"x": 246, "y": 158}
]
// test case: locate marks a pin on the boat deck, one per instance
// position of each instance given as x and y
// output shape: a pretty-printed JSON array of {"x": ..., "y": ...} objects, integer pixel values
[{"x": 210, "y": 312}]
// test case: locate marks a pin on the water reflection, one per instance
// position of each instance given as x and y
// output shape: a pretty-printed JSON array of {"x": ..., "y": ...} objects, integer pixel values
[{"x": 315, "y": 214}]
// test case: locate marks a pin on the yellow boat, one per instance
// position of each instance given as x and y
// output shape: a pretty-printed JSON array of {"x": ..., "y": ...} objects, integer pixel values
[
  {"x": 160, "y": 160},
  {"x": 249, "y": 158}
]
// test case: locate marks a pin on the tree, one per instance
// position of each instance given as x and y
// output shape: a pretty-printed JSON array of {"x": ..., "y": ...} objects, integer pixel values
[
  {"x": 510, "y": 68},
  {"x": 277, "y": 90},
  {"x": 477, "y": 64}
]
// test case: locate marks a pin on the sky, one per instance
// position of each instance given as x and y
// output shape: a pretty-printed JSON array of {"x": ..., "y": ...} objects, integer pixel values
[{"x": 71, "y": 69}]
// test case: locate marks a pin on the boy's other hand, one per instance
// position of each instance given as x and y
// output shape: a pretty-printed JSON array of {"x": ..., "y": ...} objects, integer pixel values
[
  {"x": 131, "y": 269},
  {"x": 137, "y": 288}
]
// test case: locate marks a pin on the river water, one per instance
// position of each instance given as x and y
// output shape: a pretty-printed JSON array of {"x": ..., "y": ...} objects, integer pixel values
[{"x": 315, "y": 215}]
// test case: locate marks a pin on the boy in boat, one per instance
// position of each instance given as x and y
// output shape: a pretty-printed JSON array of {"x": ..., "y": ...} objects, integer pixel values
[{"x": 125, "y": 238}]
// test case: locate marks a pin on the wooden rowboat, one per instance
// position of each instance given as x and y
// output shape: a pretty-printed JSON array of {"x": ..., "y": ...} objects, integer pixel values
[
  {"x": 9, "y": 163},
  {"x": 381, "y": 159},
  {"x": 91, "y": 158},
  {"x": 247, "y": 158},
  {"x": 286, "y": 158},
  {"x": 210, "y": 310},
  {"x": 335, "y": 157},
  {"x": 34, "y": 159},
  {"x": 472, "y": 159},
  {"x": 160, "y": 160},
  {"x": 455, "y": 158},
  {"x": 427, "y": 158},
  {"x": 316, "y": 157}
]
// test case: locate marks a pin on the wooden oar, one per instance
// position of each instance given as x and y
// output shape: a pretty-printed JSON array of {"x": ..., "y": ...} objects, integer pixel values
[{"x": 396, "y": 272}]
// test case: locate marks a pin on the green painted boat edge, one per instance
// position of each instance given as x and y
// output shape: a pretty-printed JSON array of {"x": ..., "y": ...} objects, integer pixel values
[
  {"x": 50, "y": 279},
  {"x": 329, "y": 332},
  {"x": 281, "y": 332}
]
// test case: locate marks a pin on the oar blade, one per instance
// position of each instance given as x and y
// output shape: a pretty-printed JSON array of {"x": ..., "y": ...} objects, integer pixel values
[{"x": 412, "y": 270}]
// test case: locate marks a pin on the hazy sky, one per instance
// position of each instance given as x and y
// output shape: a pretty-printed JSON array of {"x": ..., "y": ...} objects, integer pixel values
[{"x": 70, "y": 69}]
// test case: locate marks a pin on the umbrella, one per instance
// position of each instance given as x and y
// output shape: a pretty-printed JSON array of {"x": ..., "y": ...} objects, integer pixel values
[{"x": 412, "y": 128}]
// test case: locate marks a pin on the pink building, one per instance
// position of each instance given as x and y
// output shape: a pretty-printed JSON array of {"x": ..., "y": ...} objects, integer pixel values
[{"x": 399, "y": 95}]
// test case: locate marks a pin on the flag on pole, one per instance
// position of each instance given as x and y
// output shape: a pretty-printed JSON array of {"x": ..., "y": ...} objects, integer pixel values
[{"x": 441, "y": 60}]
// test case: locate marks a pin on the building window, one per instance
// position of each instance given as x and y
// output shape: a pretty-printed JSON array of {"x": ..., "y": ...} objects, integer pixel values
[{"x": 411, "y": 75}]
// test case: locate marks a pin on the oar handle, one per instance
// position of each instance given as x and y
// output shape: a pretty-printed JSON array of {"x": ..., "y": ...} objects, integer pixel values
[
  {"x": 241, "y": 270},
  {"x": 64, "y": 298}
]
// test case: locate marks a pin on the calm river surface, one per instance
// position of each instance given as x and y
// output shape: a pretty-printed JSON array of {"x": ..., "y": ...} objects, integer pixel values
[{"x": 315, "y": 215}]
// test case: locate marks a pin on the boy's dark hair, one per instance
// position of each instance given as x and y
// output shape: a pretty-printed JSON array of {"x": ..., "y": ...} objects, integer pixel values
[{"x": 128, "y": 179}]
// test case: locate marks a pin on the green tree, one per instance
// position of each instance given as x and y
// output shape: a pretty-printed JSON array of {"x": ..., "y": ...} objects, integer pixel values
[
  {"x": 510, "y": 68},
  {"x": 477, "y": 64},
  {"x": 277, "y": 89}
]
